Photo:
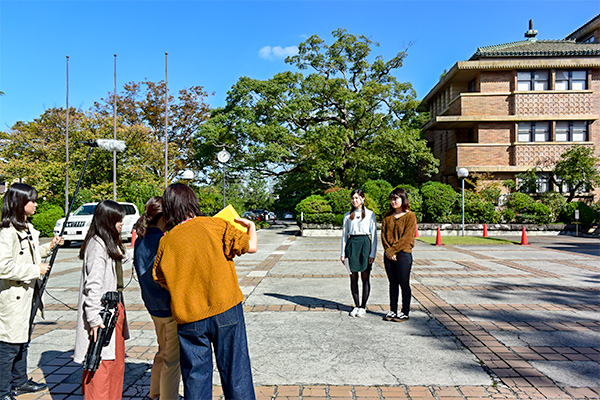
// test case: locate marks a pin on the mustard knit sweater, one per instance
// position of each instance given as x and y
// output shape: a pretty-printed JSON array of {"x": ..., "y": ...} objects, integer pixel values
[{"x": 194, "y": 263}]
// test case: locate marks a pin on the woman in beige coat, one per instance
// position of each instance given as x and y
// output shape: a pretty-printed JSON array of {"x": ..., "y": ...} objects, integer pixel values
[
  {"x": 20, "y": 267},
  {"x": 103, "y": 256}
]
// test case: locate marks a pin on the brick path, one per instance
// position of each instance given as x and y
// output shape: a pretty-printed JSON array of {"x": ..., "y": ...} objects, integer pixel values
[{"x": 512, "y": 368}]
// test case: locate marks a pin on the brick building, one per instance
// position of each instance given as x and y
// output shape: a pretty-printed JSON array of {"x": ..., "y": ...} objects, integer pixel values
[{"x": 516, "y": 106}]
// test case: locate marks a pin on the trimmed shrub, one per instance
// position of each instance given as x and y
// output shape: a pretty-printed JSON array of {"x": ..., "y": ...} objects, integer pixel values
[
  {"x": 555, "y": 201},
  {"x": 518, "y": 202},
  {"x": 315, "y": 204},
  {"x": 339, "y": 200},
  {"x": 372, "y": 205},
  {"x": 508, "y": 216},
  {"x": 338, "y": 219},
  {"x": 45, "y": 218},
  {"x": 439, "y": 202},
  {"x": 478, "y": 209},
  {"x": 536, "y": 213},
  {"x": 379, "y": 190},
  {"x": 491, "y": 194},
  {"x": 320, "y": 218},
  {"x": 587, "y": 215}
]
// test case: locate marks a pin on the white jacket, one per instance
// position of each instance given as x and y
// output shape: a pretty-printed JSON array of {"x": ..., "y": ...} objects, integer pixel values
[
  {"x": 20, "y": 258},
  {"x": 98, "y": 276}
]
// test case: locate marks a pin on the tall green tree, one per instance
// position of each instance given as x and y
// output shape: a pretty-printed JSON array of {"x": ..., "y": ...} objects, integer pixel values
[
  {"x": 344, "y": 122},
  {"x": 143, "y": 104},
  {"x": 577, "y": 169},
  {"x": 34, "y": 152}
]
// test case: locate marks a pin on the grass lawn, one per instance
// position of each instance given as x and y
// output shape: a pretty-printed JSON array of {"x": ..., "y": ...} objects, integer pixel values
[{"x": 465, "y": 240}]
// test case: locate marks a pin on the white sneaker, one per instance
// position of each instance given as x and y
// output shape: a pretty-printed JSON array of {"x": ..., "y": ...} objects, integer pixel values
[
  {"x": 361, "y": 312},
  {"x": 354, "y": 312},
  {"x": 389, "y": 316}
]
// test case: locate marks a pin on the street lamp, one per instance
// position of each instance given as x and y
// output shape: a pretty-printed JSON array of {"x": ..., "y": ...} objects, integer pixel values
[
  {"x": 462, "y": 174},
  {"x": 188, "y": 175}
]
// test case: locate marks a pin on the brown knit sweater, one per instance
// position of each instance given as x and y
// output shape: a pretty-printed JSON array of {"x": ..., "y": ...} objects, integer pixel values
[
  {"x": 194, "y": 263},
  {"x": 398, "y": 234}
]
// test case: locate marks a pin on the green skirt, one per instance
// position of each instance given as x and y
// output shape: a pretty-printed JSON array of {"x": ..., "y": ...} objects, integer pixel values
[{"x": 357, "y": 250}]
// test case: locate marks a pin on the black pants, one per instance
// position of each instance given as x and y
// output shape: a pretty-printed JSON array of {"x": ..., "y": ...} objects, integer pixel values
[
  {"x": 13, "y": 366},
  {"x": 398, "y": 273}
]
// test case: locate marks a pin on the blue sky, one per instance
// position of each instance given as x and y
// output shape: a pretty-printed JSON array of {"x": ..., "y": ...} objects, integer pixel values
[{"x": 214, "y": 43}]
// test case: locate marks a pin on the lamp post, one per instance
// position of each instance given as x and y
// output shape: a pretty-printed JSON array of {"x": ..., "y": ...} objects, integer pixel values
[
  {"x": 223, "y": 156},
  {"x": 462, "y": 174}
]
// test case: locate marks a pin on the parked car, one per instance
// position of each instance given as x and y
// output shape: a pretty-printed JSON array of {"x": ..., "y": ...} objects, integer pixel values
[
  {"x": 249, "y": 215},
  {"x": 271, "y": 216},
  {"x": 80, "y": 220},
  {"x": 288, "y": 215},
  {"x": 260, "y": 214}
]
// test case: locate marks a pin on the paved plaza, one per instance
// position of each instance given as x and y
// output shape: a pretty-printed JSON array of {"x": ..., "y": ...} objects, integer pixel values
[{"x": 492, "y": 322}]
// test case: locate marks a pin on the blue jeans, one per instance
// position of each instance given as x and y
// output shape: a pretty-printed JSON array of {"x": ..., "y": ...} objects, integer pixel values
[
  {"x": 13, "y": 366},
  {"x": 227, "y": 334}
]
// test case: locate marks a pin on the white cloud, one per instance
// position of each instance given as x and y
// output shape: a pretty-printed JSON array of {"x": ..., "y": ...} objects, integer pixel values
[{"x": 277, "y": 52}]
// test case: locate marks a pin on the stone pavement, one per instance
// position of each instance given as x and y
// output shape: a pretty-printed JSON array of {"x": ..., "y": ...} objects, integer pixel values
[{"x": 491, "y": 322}]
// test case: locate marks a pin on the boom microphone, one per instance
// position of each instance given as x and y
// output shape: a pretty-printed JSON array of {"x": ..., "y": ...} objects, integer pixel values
[{"x": 105, "y": 144}]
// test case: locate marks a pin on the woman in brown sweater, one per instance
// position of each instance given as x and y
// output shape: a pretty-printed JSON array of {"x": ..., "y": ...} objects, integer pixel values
[{"x": 398, "y": 238}]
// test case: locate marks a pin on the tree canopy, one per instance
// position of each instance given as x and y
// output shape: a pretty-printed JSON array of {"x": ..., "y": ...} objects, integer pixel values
[{"x": 347, "y": 121}]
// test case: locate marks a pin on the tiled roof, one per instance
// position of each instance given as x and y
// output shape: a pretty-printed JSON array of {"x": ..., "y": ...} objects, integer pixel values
[{"x": 538, "y": 48}]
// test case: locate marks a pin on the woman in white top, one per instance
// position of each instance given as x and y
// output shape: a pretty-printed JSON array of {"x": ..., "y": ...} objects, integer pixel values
[{"x": 359, "y": 247}]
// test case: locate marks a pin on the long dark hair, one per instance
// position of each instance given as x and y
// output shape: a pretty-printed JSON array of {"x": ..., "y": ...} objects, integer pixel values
[
  {"x": 106, "y": 216},
  {"x": 401, "y": 193},
  {"x": 179, "y": 203},
  {"x": 13, "y": 206},
  {"x": 361, "y": 194},
  {"x": 153, "y": 212}
]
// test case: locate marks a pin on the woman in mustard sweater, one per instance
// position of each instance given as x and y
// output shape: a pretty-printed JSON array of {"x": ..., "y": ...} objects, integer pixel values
[
  {"x": 194, "y": 263},
  {"x": 398, "y": 238}
]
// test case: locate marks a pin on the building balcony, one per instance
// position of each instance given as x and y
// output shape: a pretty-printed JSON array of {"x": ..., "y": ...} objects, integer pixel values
[{"x": 505, "y": 157}]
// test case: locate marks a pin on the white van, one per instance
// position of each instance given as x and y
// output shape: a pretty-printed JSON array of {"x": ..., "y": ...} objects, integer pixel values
[{"x": 80, "y": 220}]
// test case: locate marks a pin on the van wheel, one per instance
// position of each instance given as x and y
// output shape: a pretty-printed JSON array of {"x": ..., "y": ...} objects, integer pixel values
[{"x": 67, "y": 243}]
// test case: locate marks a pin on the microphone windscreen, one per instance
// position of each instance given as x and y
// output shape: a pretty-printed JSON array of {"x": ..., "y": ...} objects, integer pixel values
[{"x": 111, "y": 144}]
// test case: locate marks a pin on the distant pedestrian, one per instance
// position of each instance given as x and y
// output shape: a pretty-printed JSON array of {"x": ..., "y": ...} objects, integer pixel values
[
  {"x": 194, "y": 263},
  {"x": 359, "y": 248},
  {"x": 166, "y": 373},
  {"x": 398, "y": 238},
  {"x": 20, "y": 267},
  {"x": 103, "y": 255}
]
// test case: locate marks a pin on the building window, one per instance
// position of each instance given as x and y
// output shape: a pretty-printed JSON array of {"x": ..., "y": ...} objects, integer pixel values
[
  {"x": 472, "y": 86},
  {"x": 570, "y": 80},
  {"x": 532, "y": 80},
  {"x": 571, "y": 131},
  {"x": 534, "y": 132},
  {"x": 543, "y": 183}
]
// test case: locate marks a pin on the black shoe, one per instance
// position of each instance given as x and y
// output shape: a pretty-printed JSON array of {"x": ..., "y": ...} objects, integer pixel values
[
  {"x": 8, "y": 397},
  {"x": 400, "y": 318},
  {"x": 29, "y": 387}
]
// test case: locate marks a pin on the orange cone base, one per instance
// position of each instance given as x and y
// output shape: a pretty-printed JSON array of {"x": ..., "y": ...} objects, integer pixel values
[
  {"x": 485, "y": 232},
  {"x": 417, "y": 231}
]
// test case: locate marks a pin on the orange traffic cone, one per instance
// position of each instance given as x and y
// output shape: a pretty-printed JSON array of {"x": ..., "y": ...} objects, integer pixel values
[
  {"x": 485, "y": 233},
  {"x": 438, "y": 239},
  {"x": 524, "y": 238},
  {"x": 133, "y": 237},
  {"x": 417, "y": 231}
]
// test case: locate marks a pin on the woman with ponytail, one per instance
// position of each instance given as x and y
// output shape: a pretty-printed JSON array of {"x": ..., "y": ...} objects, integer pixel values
[
  {"x": 166, "y": 372},
  {"x": 359, "y": 247}
]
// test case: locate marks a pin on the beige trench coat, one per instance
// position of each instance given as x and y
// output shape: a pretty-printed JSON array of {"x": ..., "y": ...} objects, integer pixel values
[
  {"x": 98, "y": 276},
  {"x": 20, "y": 258}
]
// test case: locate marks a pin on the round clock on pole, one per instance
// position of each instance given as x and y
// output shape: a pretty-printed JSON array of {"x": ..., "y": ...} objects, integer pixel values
[{"x": 223, "y": 156}]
